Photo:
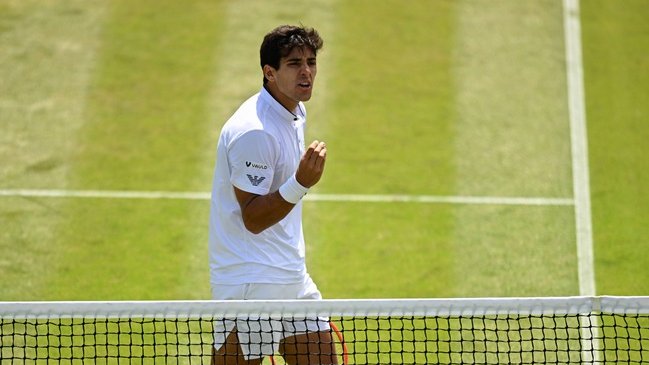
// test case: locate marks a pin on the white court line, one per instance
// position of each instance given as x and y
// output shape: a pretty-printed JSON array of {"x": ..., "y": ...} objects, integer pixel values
[
  {"x": 364, "y": 198},
  {"x": 591, "y": 348},
  {"x": 439, "y": 199},
  {"x": 104, "y": 194},
  {"x": 578, "y": 138}
]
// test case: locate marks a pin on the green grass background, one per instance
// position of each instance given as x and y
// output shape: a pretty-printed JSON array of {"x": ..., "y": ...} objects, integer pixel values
[
  {"x": 617, "y": 80},
  {"x": 438, "y": 98}
]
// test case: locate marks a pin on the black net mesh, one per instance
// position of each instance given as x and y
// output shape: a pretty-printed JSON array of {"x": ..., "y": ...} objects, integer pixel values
[{"x": 360, "y": 339}]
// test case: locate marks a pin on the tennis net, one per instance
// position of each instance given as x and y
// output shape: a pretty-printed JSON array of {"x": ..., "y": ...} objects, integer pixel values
[{"x": 566, "y": 330}]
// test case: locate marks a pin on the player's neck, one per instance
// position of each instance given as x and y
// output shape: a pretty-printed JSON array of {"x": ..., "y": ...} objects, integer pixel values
[{"x": 286, "y": 102}]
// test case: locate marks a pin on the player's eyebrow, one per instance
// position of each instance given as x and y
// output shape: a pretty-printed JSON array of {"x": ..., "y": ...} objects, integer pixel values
[
  {"x": 299, "y": 59},
  {"x": 294, "y": 59}
]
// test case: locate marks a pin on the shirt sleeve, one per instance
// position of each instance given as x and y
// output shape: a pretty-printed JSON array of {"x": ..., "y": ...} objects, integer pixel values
[{"x": 252, "y": 158}]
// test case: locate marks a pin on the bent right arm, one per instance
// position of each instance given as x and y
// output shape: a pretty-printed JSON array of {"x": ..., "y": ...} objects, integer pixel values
[{"x": 259, "y": 212}]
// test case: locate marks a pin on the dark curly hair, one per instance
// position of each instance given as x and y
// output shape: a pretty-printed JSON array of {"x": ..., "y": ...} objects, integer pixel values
[{"x": 282, "y": 40}]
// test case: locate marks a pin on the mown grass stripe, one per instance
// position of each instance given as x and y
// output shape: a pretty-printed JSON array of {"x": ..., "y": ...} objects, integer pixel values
[
  {"x": 615, "y": 37},
  {"x": 48, "y": 53},
  {"x": 512, "y": 138},
  {"x": 145, "y": 119}
]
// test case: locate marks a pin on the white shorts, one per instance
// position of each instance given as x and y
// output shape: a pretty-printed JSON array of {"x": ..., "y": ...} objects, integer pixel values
[{"x": 260, "y": 337}]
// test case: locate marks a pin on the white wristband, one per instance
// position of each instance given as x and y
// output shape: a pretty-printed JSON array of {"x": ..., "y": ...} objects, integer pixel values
[{"x": 292, "y": 191}]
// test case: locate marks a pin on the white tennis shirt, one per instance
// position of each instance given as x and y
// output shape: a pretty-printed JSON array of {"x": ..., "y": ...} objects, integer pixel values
[{"x": 259, "y": 149}]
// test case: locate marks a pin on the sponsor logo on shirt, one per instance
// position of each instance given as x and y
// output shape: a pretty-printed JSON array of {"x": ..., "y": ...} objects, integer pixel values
[
  {"x": 256, "y": 165},
  {"x": 255, "y": 180}
]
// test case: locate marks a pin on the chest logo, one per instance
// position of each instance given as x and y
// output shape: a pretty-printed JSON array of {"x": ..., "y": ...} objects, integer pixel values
[{"x": 256, "y": 165}]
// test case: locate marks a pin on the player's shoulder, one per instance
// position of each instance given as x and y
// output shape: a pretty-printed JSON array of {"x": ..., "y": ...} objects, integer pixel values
[
  {"x": 246, "y": 130},
  {"x": 244, "y": 118}
]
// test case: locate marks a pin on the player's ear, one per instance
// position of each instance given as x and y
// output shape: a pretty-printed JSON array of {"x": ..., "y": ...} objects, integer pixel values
[{"x": 269, "y": 73}]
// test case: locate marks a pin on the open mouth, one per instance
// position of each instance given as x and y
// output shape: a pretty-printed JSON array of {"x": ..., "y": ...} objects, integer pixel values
[{"x": 305, "y": 85}]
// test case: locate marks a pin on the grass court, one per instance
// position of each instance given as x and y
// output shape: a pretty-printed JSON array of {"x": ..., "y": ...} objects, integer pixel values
[{"x": 458, "y": 108}]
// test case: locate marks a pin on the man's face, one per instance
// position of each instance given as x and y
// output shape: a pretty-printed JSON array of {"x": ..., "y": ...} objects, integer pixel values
[{"x": 295, "y": 76}]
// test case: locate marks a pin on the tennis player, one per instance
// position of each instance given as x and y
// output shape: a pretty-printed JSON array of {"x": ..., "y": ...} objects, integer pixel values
[{"x": 256, "y": 243}]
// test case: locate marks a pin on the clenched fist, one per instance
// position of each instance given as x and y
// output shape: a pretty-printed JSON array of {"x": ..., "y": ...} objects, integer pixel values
[{"x": 312, "y": 164}]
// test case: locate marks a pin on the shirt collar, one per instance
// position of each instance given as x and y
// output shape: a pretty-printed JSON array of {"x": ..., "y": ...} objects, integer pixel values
[{"x": 279, "y": 108}]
